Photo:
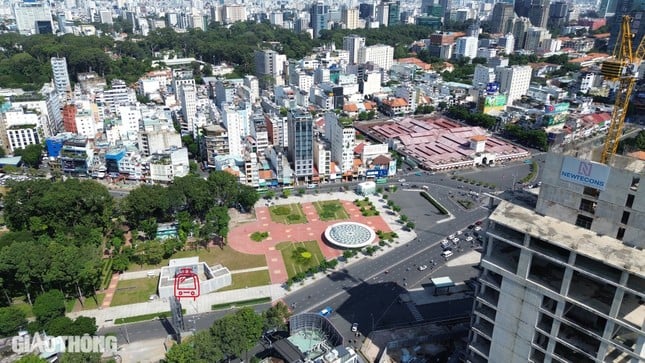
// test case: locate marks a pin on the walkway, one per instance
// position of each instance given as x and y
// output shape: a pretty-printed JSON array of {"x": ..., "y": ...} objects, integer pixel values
[
  {"x": 240, "y": 240},
  {"x": 109, "y": 292}
]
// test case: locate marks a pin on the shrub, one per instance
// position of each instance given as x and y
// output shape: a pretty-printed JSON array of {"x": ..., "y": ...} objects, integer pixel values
[
  {"x": 293, "y": 217},
  {"x": 281, "y": 210},
  {"x": 259, "y": 236},
  {"x": 436, "y": 204}
]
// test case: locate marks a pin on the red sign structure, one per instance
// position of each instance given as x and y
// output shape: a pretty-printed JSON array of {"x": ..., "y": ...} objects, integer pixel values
[{"x": 186, "y": 284}]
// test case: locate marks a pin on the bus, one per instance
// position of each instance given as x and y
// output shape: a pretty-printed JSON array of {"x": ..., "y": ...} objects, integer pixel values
[{"x": 381, "y": 181}]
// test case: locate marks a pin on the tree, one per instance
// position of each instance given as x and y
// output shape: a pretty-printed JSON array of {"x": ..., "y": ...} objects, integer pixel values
[
  {"x": 12, "y": 320},
  {"x": 277, "y": 316},
  {"x": 247, "y": 197},
  {"x": 410, "y": 225},
  {"x": 120, "y": 263},
  {"x": 68, "y": 357},
  {"x": 31, "y": 154},
  {"x": 185, "y": 352},
  {"x": 286, "y": 193},
  {"x": 49, "y": 306},
  {"x": 83, "y": 325},
  {"x": 300, "y": 191},
  {"x": 403, "y": 218},
  {"x": 149, "y": 227},
  {"x": 60, "y": 325},
  {"x": 31, "y": 358}
]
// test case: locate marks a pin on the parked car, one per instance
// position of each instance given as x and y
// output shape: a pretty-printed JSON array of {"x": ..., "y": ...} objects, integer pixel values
[
  {"x": 445, "y": 244},
  {"x": 326, "y": 311},
  {"x": 355, "y": 327},
  {"x": 423, "y": 267},
  {"x": 446, "y": 254}
]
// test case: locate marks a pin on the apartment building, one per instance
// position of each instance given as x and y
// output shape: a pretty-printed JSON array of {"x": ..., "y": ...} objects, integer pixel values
[
  {"x": 564, "y": 282},
  {"x": 301, "y": 137}
]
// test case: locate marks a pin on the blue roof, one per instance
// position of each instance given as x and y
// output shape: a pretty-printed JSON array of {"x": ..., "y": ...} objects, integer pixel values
[{"x": 442, "y": 282}]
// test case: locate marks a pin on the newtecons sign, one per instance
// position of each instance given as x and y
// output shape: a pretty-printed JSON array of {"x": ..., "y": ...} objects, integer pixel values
[{"x": 584, "y": 172}]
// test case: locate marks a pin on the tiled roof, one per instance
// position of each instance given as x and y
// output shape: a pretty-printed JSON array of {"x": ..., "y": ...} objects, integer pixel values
[
  {"x": 359, "y": 148},
  {"x": 381, "y": 160},
  {"x": 350, "y": 107}
]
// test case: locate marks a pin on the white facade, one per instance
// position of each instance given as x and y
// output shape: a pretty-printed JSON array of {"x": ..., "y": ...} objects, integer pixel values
[
  {"x": 514, "y": 81},
  {"x": 507, "y": 42},
  {"x": 156, "y": 140},
  {"x": 341, "y": 138},
  {"x": 381, "y": 55},
  {"x": 352, "y": 43},
  {"x": 61, "y": 77},
  {"x": 235, "y": 124},
  {"x": 466, "y": 47},
  {"x": 119, "y": 94},
  {"x": 28, "y": 13},
  {"x": 482, "y": 76},
  {"x": 322, "y": 158},
  {"x": 22, "y": 128},
  {"x": 130, "y": 121},
  {"x": 188, "y": 100},
  {"x": 86, "y": 124},
  {"x": 233, "y": 13},
  {"x": 253, "y": 84},
  {"x": 349, "y": 17},
  {"x": 168, "y": 165}
]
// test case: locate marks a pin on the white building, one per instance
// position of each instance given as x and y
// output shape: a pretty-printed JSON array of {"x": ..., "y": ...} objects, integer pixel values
[
  {"x": 61, "y": 76},
  {"x": 85, "y": 121},
  {"x": 513, "y": 81},
  {"x": 380, "y": 55},
  {"x": 341, "y": 135},
  {"x": 188, "y": 101},
  {"x": 236, "y": 124},
  {"x": 32, "y": 17},
  {"x": 466, "y": 47},
  {"x": 169, "y": 164},
  {"x": 349, "y": 17},
  {"x": 131, "y": 119},
  {"x": 253, "y": 84},
  {"x": 352, "y": 43},
  {"x": 22, "y": 127},
  {"x": 118, "y": 95},
  {"x": 482, "y": 76},
  {"x": 233, "y": 13},
  {"x": 507, "y": 42}
]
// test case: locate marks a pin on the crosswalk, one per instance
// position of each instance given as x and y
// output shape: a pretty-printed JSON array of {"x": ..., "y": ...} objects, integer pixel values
[{"x": 414, "y": 311}]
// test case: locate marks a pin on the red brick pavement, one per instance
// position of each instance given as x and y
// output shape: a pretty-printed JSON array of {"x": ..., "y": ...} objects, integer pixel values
[{"x": 239, "y": 238}]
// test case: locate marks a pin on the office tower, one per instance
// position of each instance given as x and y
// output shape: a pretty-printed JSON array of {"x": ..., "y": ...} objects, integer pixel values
[
  {"x": 319, "y": 17},
  {"x": 276, "y": 18},
  {"x": 564, "y": 282},
  {"x": 233, "y": 13},
  {"x": 513, "y": 81},
  {"x": 383, "y": 13},
  {"x": 394, "y": 13},
  {"x": 558, "y": 15},
  {"x": 607, "y": 8},
  {"x": 352, "y": 43},
  {"x": 535, "y": 37},
  {"x": 502, "y": 13},
  {"x": 300, "y": 128},
  {"x": 633, "y": 8},
  {"x": 539, "y": 13},
  {"x": 366, "y": 11},
  {"x": 349, "y": 17},
  {"x": 379, "y": 54},
  {"x": 269, "y": 67},
  {"x": 33, "y": 17},
  {"x": 61, "y": 77},
  {"x": 466, "y": 47},
  {"x": 482, "y": 76},
  {"x": 519, "y": 28}
]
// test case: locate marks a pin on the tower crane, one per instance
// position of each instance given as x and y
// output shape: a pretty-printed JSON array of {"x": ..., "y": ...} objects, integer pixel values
[{"x": 621, "y": 68}]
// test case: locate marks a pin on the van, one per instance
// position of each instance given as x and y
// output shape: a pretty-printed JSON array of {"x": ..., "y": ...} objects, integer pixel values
[{"x": 446, "y": 254}]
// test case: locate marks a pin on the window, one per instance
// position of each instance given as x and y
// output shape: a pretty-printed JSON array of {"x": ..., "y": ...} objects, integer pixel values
[
  {"x": 620, "y": 234},
  {"x": 630, "y": 200},
  {"x": 587, "y": 205},
  {"x": 625, "y": 218},
  {"x": 591, "y": 192},
  {"x": 584, "y": 221}
]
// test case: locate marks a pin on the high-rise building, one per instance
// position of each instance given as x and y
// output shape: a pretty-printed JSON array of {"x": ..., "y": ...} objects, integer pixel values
[
  {"x": 513, "y": 81},
  {"x": 607, "y": 8},
  {"x": 383, "y": 13},
  {"x": 502, "y": 13},
  {"x": 188, "y": 101},
  {"x": 564, "y": 281},
  {"x": 233, "y": 13},
  {"x": 379, "y": 54},
  {"x": 520, "y": 26},
  {"x": 234, "y": 122},
  {"x": 558, "y": 15},
  {"x": 349, "y": 17},
  {"x": 319, "y": 18},
  {"x": 539, "y": 13},
  {"x": 394, "y": 13},
  {"x": 466, "y": 47},
  {"x": 61, "y": 77},
  {"x": 352, "y": 43},
  {"x": 269, "y": 67},
  {"x": 633, "y": 8},
  {"x": 341, "y": 136},
  {"x": 366, "y": 11},
  {"x": 300, "y": 126},
  {"x": 33, "y": 17}
]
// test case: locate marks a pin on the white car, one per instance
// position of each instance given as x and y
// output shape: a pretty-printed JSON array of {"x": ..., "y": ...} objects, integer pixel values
[
  {"x": 478, "y": 228},
  {"x": 311, "y": 186},
  {"x": 455, "y": 240},
  {"x": 446, "y": 254},
  {"x": 423, "y": 267},
  {"x": 451, "y": 236},
  {"x": 401, "y": 180},
  {"x": 458, "y": 233},
  {"x": 469, "y": 238},
  {"x": 355, "y": 327}
]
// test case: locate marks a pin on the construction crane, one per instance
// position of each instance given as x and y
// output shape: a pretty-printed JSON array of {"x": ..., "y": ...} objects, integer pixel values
[{"x": 621, "y": 68}]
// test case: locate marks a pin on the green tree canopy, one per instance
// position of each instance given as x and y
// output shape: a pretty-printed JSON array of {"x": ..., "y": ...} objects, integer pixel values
[
  {"x": 48, "y": 306},
  {"x": 12, "y": 319}
]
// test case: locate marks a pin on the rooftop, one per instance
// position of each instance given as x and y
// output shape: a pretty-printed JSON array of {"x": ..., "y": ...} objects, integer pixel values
[{"x": 583, "y": 241}]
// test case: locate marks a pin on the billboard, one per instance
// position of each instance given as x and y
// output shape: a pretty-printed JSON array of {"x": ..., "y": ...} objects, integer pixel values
[
  {"x": 494, "y": 103},
  {"x": 377, "y": 173},
  {"x": 557, "y": 108},
  {"x": 583, "y": 172},
  {"x": 492, "y": 88}
]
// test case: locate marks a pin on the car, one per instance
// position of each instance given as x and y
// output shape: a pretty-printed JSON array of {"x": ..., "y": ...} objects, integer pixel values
[
  {"x": 404, "y": 184},
  {"x": 326, "y": 311},
  {"x": 478, "y": 228},
  {"x": 469, "y": 239},
  {"x": 414, "y": 186},
  {"x": 445, "y": 244},
  {"x": 355, "y": 327},
  {"x": 446, "y": 254},
  {"x": 401, "y": 180},
  {"x": 451, "y": 236},
  {"x": 455, "y": 241},
  {"x": 459, "y": 232},
  {"x": 479, "y": 223},
  {"x": 471, "y": 226},
  {"x": 311, "y": 186},
  {"x": 423, "y": 267},
  {"x": 418, "y": 174}
]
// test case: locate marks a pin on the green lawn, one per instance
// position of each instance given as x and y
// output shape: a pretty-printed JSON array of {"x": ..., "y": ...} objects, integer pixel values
[
  {"x": 330, "y": 210},
  {"x": 90, "y": 303},
  {"x": 288, "y": 214},
  {"x": 249, "y": 279},
  {"x": 226, "y": 257},
  {"x": 134, "y": 291},
  {"x": 366, "y": 207},
  {"x": 293, "y": 266}
]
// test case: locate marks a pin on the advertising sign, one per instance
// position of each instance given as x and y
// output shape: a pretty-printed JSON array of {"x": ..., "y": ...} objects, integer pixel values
[
  {"x": 557, "y": 108},
  {"x": 494, "y": 103},
  {"x": 584, "y": 172},
  {"x": 492, "y": 87}
]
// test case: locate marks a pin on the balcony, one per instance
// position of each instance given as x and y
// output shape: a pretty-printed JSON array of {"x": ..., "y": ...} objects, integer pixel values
[
  {"x": 480, "y": 345},
  {"x": 584, "y": 344},
  {"x": 546, "y": 273},
  {"x": 491, "y": 278},
  {"x": 488, "y": 295},
  {"x": 591, "y": 292},
  {"x": 507, "y": 233},
  {"x": 503, "y": 255},
  {"x": 485, "y": 311},
  {"x": 586, "y": 320},
  {"x": 484, "y": 327},
  {"x": 549, "y": 249}
]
